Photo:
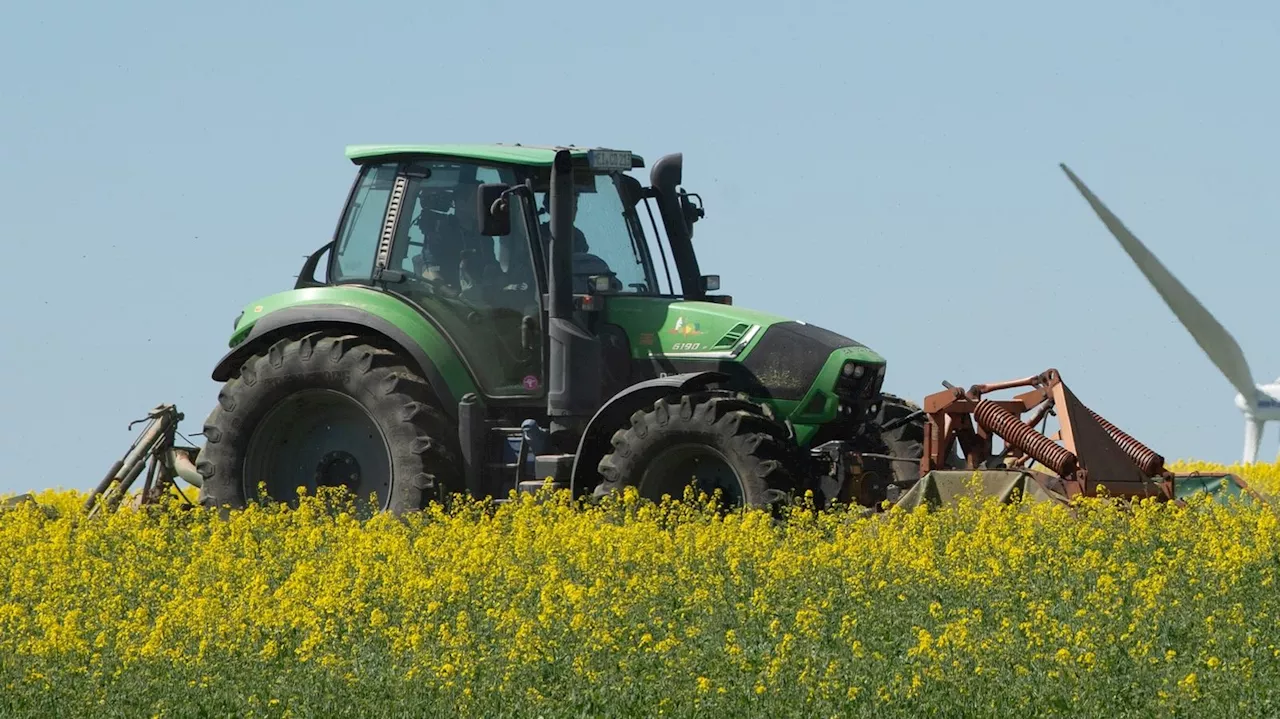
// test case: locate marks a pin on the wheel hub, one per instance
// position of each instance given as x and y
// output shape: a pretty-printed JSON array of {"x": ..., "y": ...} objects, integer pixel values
[
  {"x": 338, "y": 468},
  {"x": 706, "y": 468},
  {"x": 318, "y": 438}
]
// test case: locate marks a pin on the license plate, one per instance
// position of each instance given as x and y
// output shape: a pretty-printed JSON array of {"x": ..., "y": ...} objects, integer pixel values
[{"x": 609, "y": 159}]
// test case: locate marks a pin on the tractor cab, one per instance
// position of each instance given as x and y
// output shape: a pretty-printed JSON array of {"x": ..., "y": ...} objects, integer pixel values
[{"x": 465, "y": 234}]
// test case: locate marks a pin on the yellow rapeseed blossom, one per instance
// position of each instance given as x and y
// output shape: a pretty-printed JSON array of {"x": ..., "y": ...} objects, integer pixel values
[{"x": 543, "y": 607}]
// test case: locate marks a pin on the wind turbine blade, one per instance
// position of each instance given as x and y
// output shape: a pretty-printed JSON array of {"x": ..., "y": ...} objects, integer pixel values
[{"x": 1216, "y": 342}]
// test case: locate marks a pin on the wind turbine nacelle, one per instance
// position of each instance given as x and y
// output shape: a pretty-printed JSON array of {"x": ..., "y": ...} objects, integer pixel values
[{"x": 1268, "y": 402}]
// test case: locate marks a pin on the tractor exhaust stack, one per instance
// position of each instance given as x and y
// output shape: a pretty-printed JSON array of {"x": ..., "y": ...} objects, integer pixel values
[
  {"x": 665, "y": 178},
  {"x": 560, "y": 264}
]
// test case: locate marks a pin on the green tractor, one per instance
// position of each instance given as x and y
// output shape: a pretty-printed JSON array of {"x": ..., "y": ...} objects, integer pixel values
[{"x": 491, "y": 316}]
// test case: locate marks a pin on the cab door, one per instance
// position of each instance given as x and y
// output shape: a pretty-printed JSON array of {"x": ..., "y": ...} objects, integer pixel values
[{"x": 482, "y": 292}]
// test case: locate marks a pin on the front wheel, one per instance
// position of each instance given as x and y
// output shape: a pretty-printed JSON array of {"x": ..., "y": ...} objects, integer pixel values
[
  {"x": 905, "y": 441},
  {"x": 713, "y": 440},
  {"x": 328, "y": 409}
]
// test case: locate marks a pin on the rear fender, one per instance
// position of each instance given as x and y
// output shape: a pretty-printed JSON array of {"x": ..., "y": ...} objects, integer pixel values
[
  {"x": 613, "y": 415},
  {"x": 302, "y": 318}
]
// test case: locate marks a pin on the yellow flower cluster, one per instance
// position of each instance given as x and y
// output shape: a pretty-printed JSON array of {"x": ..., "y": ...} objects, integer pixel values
[{"x": 542, "y": 607}]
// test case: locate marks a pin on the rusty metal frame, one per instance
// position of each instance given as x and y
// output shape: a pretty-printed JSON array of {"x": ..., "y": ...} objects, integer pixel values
[
  {"x": 1087, "y": 452},
  {"x": 950, "y": 419}
]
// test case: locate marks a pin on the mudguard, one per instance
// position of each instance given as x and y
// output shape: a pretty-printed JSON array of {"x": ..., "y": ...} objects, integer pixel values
[
  {"x": 280, "y": 321},
  {"x": 613, "y": 415}
]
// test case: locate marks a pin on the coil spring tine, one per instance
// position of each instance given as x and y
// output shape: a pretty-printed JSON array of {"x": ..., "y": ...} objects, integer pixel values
[
  {"x": 1019, "y": 434},
  {"x": 1147, "y": 459}
]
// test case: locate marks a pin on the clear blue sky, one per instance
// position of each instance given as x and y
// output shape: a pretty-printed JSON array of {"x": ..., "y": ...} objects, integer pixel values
[{"x": 886, "y": 170}]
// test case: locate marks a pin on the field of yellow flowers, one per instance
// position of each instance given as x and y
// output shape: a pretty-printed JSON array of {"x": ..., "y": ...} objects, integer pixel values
[{"x": 543, "y": 608}]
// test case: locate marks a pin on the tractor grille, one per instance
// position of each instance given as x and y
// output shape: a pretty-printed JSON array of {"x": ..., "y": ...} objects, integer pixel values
[
  {"x": 861, "y": 389},
  {"x": 789, "y": 356}
]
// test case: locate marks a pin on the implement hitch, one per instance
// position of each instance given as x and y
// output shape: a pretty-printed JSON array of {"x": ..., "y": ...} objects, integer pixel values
[{"x": 167, "y": 461}]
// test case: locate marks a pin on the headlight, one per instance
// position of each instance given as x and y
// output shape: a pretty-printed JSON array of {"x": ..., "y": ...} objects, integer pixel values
[{"x": 853, "y": 369}]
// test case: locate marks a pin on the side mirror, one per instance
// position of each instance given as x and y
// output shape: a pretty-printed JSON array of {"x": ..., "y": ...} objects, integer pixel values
[
  {"x": 493, "y": 211},
  {"x": 690, "y": 211}
]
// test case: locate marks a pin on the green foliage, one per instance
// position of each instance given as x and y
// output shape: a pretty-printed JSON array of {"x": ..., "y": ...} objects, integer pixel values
[{"x": 546, "y": 607}]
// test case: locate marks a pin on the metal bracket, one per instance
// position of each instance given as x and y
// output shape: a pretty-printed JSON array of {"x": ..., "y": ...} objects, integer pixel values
[{"x": 154, "y": 450}]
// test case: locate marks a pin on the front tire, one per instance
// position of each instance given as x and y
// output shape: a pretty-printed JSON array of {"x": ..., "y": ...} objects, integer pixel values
[
  {"x": 905, "y": 441},
  {"x": 328, "y": 408},
  {"x": 713, "y": 440}
]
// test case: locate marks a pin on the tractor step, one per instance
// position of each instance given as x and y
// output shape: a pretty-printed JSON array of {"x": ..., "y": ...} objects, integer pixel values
[
  {"x": 517, "y": 458},
  {"x": 533, "y": 487}
]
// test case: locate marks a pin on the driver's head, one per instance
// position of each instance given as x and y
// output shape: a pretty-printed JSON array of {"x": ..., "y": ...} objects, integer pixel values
[{"x": 432, "y": 202}]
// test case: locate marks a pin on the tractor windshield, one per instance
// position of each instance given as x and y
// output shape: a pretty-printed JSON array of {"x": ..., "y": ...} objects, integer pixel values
[{"x": 608, "y": 236}]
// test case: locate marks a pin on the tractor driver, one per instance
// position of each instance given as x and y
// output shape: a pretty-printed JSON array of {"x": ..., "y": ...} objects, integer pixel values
[
  {"x": 454, "y": 253},
  {"x": 441, "y": 243},
  {"x": 478, "y": 266}
]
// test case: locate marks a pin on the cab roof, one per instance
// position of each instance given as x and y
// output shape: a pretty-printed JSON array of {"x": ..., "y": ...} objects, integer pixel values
[{"x": 533, "y": 155}]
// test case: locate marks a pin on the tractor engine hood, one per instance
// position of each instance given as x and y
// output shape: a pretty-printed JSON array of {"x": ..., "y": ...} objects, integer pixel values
[{"x": 785, "y": 356}]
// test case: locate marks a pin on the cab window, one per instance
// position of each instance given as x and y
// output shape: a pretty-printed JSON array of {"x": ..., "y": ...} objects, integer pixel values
[
  {"x": 357, "y": 241},
  {"x": 607, "y": 239}
]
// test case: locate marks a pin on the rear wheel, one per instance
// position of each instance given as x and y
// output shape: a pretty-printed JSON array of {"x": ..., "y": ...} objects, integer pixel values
[
  {"x": 711, "y": 440},
  {"x": 328, "y": 409}
]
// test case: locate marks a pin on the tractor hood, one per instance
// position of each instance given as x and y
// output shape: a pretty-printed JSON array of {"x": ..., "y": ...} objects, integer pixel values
[
  {"x": 710, "y": 330},
  {"x": 785, "y": 355}
]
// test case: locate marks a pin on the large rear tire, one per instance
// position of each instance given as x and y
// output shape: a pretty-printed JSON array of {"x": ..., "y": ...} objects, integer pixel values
[
  {"x": 712, "y": 439},
  {"x": 328, "y": 408}
]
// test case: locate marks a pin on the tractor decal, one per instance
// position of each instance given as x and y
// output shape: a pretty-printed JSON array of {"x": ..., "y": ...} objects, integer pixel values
[{"x": 686, "y": 328}]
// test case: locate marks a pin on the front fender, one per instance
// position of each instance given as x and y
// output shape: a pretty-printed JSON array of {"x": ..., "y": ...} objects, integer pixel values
[
  {"x": 613, "y": 414},
  {"x": 304, "y": 317}
]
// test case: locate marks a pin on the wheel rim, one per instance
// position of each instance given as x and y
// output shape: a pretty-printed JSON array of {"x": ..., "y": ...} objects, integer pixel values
[
  {"x": 706, "y": 468},
  {"x": 318, "y": 438}
]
